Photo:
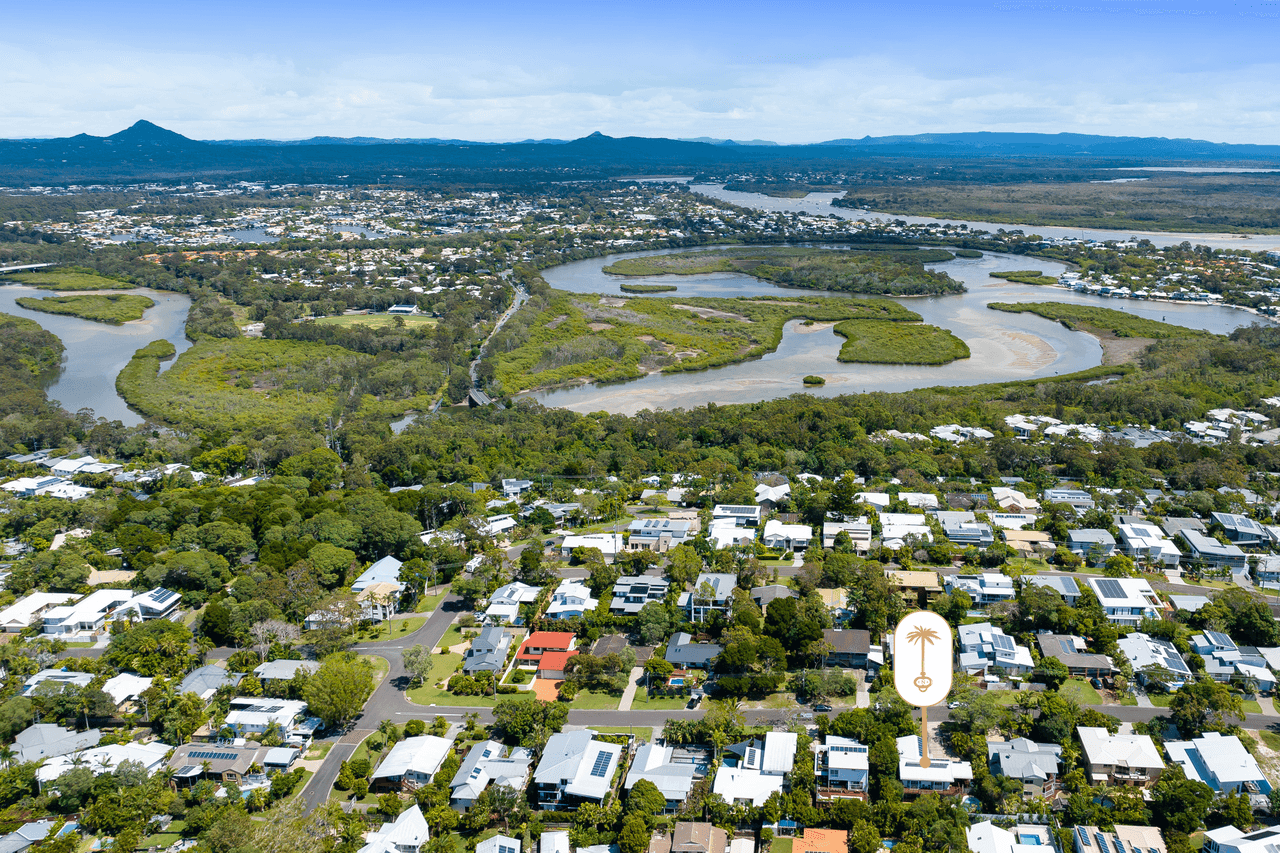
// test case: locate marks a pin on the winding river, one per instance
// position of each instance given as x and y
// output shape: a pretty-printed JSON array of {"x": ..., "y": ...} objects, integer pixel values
[
  {"x": 1004, "y": 346},
  {"x": 97, "y": 352}
]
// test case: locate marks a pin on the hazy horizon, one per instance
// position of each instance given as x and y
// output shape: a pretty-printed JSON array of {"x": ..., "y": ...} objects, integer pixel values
[{"x": 819, "y": 71}]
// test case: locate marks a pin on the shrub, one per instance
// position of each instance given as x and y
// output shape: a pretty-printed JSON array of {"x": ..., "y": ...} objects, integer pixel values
[{"x": 414, "y": 728}]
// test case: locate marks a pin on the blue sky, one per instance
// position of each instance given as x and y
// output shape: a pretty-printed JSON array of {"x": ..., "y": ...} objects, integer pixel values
[{"x": 794, "y": 72}]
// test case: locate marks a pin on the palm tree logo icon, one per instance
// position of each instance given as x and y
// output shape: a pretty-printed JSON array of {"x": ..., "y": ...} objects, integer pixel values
[{"x": 925, "y": 638}]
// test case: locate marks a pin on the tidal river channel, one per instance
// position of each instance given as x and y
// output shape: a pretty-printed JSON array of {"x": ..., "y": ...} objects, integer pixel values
[
  {"x": 1004, "y": 346},
  {"x": 97, "y": 352}
]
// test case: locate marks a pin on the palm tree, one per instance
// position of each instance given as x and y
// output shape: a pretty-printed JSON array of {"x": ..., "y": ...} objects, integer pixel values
[
  {"x": 925, "y": 638},
  {"x": 6, "y": 755}
]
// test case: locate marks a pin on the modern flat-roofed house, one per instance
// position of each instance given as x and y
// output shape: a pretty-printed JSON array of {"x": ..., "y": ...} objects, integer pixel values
[
  {"x": 1061, "y": 584},
  {"x": 1206, "y": 549},
  {"x": 1077, "y": 499},
  {"x": 983, "y": 646},
  {"x": 575, "y": 768},
  {"x": 1130, "y": 839},
  {"x": 859, "y": 533},
  {"x": 609, "y": 544},
  {"x": 841, "y": 768},
  {"x": 688, "y": 837},
  {"x": 1144, "y": 541},
  {"x": 974, "y": 534},
  {"x": 489, "y": 763},
  {"x": 986, "y": 837},
  {"x": 673, "y": 778},
  {"x": 249, "y": 715},
  {"x": 760, "y": 770},
  {"x": 659, "y": 535},
  {"x": 283, "y": 670},
  {"x": 571, "y": 599},
  {"x": 1071, "y": 650},
  {"x": 1126, "y": 601},
  {"x": 684, "y": 653},
  {"x": 1228, "y": 839},
  {"x": 488, "y": 651},
  {"x": 1155, "y": 660},
  {"x": 1242, "y": 530},
  {"x": 1220, "y": 761},
  {"x": 504, "y": 605},
  {"x": 410, "y": 764},
  {"x": 985, "y": 588},
  {"x": 631, "y": 594},
  {"x": 849, "y": 647},
  {"x": 515, "y": 488},
  {"x": 741, "y": 514},
  {"x": 89, "y": 615},
  {"x": 1035, "y": 765},
  {"x": 711, "y": 592},
  {"x": 897, "y": 528},
  {"x": 943, "y": 775},
  {"x": 1091, "y": 543},
  {"x": 1131, "y": 760},
  {"x": 24, "y": 612}
]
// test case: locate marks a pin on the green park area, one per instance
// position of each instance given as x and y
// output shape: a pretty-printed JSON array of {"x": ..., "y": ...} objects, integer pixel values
[{"x": 377, "y": 321}]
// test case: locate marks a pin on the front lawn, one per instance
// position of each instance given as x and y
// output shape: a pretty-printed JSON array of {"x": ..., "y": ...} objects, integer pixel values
[
  {"x": 429, "y": 603},
  {"x": 393, "y": 628},
  {"x": 318, "y": 751},
  {"x": 658, "y": 703},
  {"x": 591, "y": 701},
  {"x": 1081, "y": 691},
  {"x": 442, "y": 668}
]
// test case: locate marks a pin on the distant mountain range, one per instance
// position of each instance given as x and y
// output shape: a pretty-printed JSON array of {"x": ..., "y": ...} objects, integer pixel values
[{"x": 148, "y": 151}]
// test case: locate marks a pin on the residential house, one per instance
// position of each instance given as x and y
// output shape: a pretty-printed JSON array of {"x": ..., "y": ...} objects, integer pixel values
[
  {"x": 489, "y": 763},
  {"x": 1030, "y": 544},
  {"x": 917, "y": 588},
  {"x": 837, "y": 604},
  {"x": 24, "y": 612},
  {"x": 1012, "y": 500},
  {"x": 1012, "y": 520},
  {"x": 512, "y": 489},
  {"x": 410, "y": 764},
  {"x": 224, "y": 763},
  {"x": 496, "y": 526},
  {"x": 659, "y": 535},
  {"x": 726, "y": 533},
  {"x": 552, "y": 666},
  {"x": 1224, "y": 660},
  {"x": 1155, "y": 660},
  {"x": 1206, "y": 549},
  {"x": 105, "y": 759},
  {"x": 770, "y": 498},
  {"x": 943, "y": 775},
  {"x": 45, "y": 740},
  {"x": 983, "y": 646},
  {"x": 879, "y": 500},
  {"x": 1221, "y": 762},
  {"x": 711, "y": 592},
  {"x": 250, "y": 716},
  {"x": 673, "y": 778},
  {"x": 1145, "y": 542},
  {"x": 766, "y": 595},
  {"x": 740, "y": 514},
  {"x": 283, "y": 670},
  {"x": 1035, "y": 765},
  {"x": 574, "y": 768},
  {"x": 89, "y": 615},
  {"x": 1061, "y": 584},
  {"x": 125, "y": 688},
  {"x": 1242, "y": 530},
  {"x": 1228, "y": 839},
  {"x": 986, "y": 588},
  {"x": 205, "y": 681},
  {"x": 386, "y": 570},
  {"x": 540, "y": 643},
  {"x": 504, "y": 604},
  {"x": 986, "y": 837},
  {"x": 787, "y": 537},
  {"x": 840, "y": 765},
  {"x": 1091, "y": 543},
  {"x": 57, "y": 679},
  {"x": 1126, "y": 601},
  {"x": 28, "y": 835},
  {"x": 899, "y": 528},
  {"x": 488, "y": 651},
  {"x": 684, "y": 653},
  {"x": 1077, "y": 499},
  {"x": 1122, "y": 838},
  {"x": 849, "y": 647},
  {"x": 571, "y": 600},
  {"x": 689, "y": 837},
  {"x": 609, "y": 544},
  {"x": 759, "y": 770},
  {"x": 967, "y": 534},
  {"x": 406, "y": 834},
  {"x": 503, "y": 844},
  {"x": 859, "y": 533},
  {"x": 631, "y": 594},
  {"x": 1130, "y": 760},
  {"x": 379, "y": 601},
  {"x": 1071, "y": 651}
]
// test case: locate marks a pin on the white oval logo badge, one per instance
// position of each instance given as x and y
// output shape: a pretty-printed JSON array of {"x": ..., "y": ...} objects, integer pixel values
[{"x": 922, "y": 658}]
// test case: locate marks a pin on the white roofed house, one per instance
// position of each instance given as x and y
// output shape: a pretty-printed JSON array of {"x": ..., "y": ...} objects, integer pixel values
[
  {"x": 575, "y": 767},
  {"x": 770, "y": 497},
  {"x": 386, "y": 570},
  {"x": 25, "y": 611},
  {"x": 406, "y": 834},
  {"x": 898, "y": 528},
  {"x": 1012, "y": 500},
  {"x": 488, "y": 651},
  {"x": 841, "y": 767},
  {"x": 1119, "y": 759},
  {"x": 710, "y": 592},
  {"x": 658, "y": 765},
  {"x": 632, "y": 593},
  {"x": 1126, "y": 601},
  {"x": 89, "y": 615},
  {"x": 1221, "y": 762},
  {"x": 489, "y": 763},
  {"x": 859, "y": 533},
  {"x": 105, "y": 759},
  {"x": 740, "y": 514},
  {"x": 45, "y": 740},
  {"x": 126, "y": 687},
  {"x": 985, "y": 588},
  {"x": 760, "y": 770},
  {"x": 659, "y": 535},
  {"x": 250, "y": 715},
  {"x": 499, "y": 844},
  {"x": 504, "y": 604},
  {"x": 1035, "y": 765},
  {"x": 571, "y": 599},
  {"x": 1155, "y": 661},
  {"x": 984, "y": 646},
  {"x": 1144, "y": 541},
  {"x": 410, "y": 764},
  {"x": 609, "y": 544},
  {"x": 787, "y": 537},
  {"x": 943, "y": 775}
]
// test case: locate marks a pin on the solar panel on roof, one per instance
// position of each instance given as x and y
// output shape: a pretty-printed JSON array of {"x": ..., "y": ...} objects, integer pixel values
[
  {"x": 1218, "y": 638},
  {"x": 1002, "y": 642},
  {"x": 602, "y": 764},
  {"x": 214, "y": 756},
  {"x": 1110, "y": 588}
]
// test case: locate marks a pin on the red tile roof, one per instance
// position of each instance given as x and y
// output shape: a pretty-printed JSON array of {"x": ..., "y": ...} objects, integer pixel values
[{"x": 554, "y": 661}]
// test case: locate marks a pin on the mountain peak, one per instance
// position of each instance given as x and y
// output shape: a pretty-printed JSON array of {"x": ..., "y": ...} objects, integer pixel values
[{"x": 143, "y": 132}]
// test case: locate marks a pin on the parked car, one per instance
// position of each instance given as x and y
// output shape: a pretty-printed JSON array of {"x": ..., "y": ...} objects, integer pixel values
[{"x": 822, "y": 707}]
